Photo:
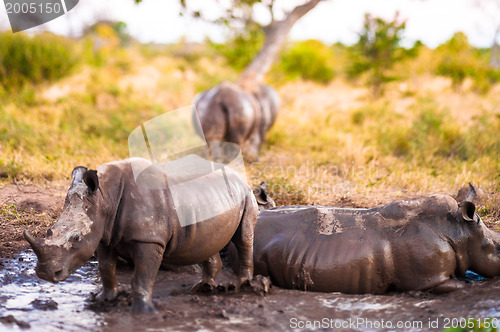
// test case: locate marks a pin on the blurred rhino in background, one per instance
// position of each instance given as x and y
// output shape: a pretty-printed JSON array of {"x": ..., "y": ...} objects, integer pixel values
[{"x": 229, "y": 113}]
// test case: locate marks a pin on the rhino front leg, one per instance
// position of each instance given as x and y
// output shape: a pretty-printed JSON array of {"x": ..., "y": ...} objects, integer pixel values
[
  {"x": 107, "y": 259},
  {"x": 211, "y": 268},
  {"x": 147, "y": 259}
]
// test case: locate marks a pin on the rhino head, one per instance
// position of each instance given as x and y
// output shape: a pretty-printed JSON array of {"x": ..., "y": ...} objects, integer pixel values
[
  {"x": 483, "y": 244},
  {"x": 75, "y": 236}
]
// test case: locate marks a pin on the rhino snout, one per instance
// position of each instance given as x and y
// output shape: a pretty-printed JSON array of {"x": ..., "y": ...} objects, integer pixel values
[{"x": 51, "y": 273}]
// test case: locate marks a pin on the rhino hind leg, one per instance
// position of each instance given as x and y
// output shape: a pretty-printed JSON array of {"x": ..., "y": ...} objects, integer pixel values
[
  {"x": 107, "y": 258},
  {"x": 243, "y": 241},
  {"x": 449, "y": 285},
  {"x": 211, "y": 269},
  {"x": 147, "y": 259}
]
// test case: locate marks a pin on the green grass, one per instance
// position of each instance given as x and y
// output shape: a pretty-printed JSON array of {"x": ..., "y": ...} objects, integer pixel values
[
  {"x": 32, "y": 60},
  {"x": 380, "y": 151},
  {"x": 331, "y": 143},
  {"x": 43, "y": 136}
]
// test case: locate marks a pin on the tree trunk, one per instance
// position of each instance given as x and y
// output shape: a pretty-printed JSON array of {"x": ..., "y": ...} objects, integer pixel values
[
  {"x": 276, "y": 34},
  {"x": 495, "y": 57}
]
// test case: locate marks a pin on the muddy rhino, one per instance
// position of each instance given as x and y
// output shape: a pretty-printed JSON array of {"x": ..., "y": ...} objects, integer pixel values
[
  {"x": 229, "y": 113},
  {"x": 403, "y": 246},
  {"x": 108, "y": 211}
]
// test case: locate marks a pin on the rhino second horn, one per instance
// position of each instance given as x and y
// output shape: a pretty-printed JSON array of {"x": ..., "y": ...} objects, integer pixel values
[{"x": 35, "y": 243}]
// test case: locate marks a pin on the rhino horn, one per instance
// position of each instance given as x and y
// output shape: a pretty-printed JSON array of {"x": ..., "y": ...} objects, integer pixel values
[{"x": 35, "y": 243}]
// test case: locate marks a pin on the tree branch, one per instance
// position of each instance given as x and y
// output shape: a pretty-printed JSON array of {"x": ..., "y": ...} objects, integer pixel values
[{"x": 276, "y": 34}]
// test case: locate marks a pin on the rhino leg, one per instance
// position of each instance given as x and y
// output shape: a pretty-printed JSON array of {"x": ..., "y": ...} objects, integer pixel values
[
  {"x": 252, "y": 146},
  {"x": 449, "y": 285},
  {"x": 211, "y": 268},
  {"x": 107, "y": 258},
  {"x": 147, "y": 259},
  {"x": 243, "y": 241}
]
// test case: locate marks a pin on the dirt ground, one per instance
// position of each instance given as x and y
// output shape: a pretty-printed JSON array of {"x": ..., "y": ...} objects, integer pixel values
[
  {"x": 26, "y": 207},
  {"x": 28, "y": 302}
]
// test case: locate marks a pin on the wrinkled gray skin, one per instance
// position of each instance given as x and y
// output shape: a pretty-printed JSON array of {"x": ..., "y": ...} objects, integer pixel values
[
  {"x": 228, "y": 113},
  {"x": 106, "y": 210},
  {"x": 264, "y": 201},
  {"x": 402, "y": 246}
]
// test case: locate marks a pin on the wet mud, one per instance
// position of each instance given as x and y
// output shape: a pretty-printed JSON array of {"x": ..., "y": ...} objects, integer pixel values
[{"x": 27, "y": 302}]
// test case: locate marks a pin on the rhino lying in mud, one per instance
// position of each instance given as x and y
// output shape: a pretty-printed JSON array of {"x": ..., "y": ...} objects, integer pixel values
[
  {"x": 109, "y": 211},
  {"x": 402, "y": 246},
  {"x": 228, "y": 113}
]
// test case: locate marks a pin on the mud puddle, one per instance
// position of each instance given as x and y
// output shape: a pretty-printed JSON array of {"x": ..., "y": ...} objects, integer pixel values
[{"x": 27, "y": 302}]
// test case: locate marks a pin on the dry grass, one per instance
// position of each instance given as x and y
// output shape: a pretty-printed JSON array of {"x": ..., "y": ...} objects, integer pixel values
[
  {"x": 35, "y": 221},
  {"x": 332, "y": 144}
]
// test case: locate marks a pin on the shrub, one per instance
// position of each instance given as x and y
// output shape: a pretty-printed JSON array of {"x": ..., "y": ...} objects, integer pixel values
[
  {"x": 377, "y": 51},
  {"x": 42, "y": 58},
  {"x": 310, "y": 60},
  {"x": 242, "y": 48},
  {"x": 459, "y": 60}
]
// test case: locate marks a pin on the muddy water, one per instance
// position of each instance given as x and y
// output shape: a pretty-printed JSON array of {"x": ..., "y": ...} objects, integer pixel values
[
  {"x": 42, "y": 304},
  {"x": 27, "y": 302}
]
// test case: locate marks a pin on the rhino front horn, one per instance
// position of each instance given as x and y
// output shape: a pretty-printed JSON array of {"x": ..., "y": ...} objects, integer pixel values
[{"x": 34, "y": 242}]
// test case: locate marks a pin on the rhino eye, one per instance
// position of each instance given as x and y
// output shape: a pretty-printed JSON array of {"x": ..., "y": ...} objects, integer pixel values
[
  {"x": 49, "y": 232},
  {"x": 75, "y": 238}
]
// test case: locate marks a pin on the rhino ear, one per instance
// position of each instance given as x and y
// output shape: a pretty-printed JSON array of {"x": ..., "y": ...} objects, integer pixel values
[
  {"x": 260, "y": 193},
  {"x": 91, "y": 180},
  {"x": 468, "y": 211}
]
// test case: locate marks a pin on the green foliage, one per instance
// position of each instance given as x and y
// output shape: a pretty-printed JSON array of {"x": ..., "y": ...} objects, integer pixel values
[
  {"x": 101, "y": 40},
  {"x": 310, "y": 60},
  {"x": 459, "y": 60},
  {"x": 118, "y": 28},
  {"x": 242, "y": 48},
  {"x": 42, "y": 58},
  {"x": 434, "y": 134},
  {"x": 377, "y": 51}
]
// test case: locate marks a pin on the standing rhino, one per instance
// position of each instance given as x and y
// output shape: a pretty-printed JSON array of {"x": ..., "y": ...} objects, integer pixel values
[
  {"x": 402, "y": 246},
  {"x": 229, "y": 113},
  {"x": 110, "y": 211}
]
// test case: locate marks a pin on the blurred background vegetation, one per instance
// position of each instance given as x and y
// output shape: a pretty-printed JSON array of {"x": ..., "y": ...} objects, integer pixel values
[{"x": 376, "y": 120}]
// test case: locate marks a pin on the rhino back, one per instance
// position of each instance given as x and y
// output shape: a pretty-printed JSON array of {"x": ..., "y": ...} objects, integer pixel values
[
  {"x": 312, "y": 248},
  {"x": 152, "y": 215},
  {"x": 227, "y": 113},
  {"x": 350, "y": 250}
]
